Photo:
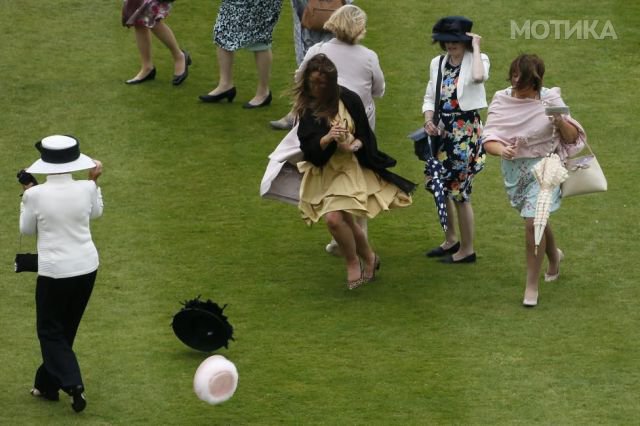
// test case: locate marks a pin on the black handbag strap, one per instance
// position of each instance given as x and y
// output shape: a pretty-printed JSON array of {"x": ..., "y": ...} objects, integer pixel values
[
  {"x": 436, "y": 105},
  {"x": 434, "y": 142}
]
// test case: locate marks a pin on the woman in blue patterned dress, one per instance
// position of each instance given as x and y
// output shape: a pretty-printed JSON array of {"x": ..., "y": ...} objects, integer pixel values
[
  {"x": 244, "y": 24},
  {"x": 462, "y": 93}
]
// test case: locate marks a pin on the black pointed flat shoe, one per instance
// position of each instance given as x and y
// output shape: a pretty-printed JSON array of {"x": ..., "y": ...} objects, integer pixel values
[
  {"x": 264, "y": 103},
  {"x": 148, "y": 77},
  {"x": 468, "y": 259},
  {"x": 78, "y": 401},
  {"x": 229, "y": 95},
  {"x": 439, "y": 251},
  {"x": 178, "y": 79}
]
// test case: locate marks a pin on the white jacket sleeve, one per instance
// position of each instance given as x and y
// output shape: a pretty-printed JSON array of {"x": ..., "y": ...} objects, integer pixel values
[
  {"x": 28, "y": 219},
  {"x": 430, "y": 92}
]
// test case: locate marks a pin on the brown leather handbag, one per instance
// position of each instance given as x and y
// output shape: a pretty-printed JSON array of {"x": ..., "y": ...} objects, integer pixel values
[{"x": 318, "y": 12}]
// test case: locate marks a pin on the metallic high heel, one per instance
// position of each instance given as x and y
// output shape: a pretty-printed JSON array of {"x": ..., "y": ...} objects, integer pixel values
[
  {"x": 376, "y": 267},
  {"x": 531, "y": 300},
  {"x": 553, "y": 277}
]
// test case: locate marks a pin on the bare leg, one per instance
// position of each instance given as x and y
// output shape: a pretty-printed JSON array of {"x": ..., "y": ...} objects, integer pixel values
[
  {"x": 450, "y": 237},
  {"x": 534, "y": 262},
  {"x": 339, "y": 226},
  {"x": 165, "y": 35},
  {"x": 551, "y": 250},
  {"x": 143, "y": 41},
  {"x": 225, "y": 69},
  {"x": 333, "y": 247},
  {"x": 263, "y": 64},
  {"x": 466, "y": 224}
]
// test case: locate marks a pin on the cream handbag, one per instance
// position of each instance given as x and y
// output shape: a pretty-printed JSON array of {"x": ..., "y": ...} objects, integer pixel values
[{"x": 585, "y": 176}]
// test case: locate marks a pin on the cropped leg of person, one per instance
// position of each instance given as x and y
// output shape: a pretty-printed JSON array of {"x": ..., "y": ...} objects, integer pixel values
[
  {"x": 60, "y": 304},
  {"x": 263, "y": 59},
  {"x": 534, "y": 263},
  {"x": 143, "y": 41},
  {"x": 552, "y": 251},
  {"x": 166, "y": 36},
  {"x": 450, "y": 235},
  {"x": 225, "y": 70},
  {"x": 466, "y": 224},
  {"x": 333, "y": 247},
  {"x": 341, "y": 226}
]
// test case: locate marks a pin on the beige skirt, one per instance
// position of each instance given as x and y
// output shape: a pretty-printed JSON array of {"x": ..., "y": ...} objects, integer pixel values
[{"x": 343, "y": 184}]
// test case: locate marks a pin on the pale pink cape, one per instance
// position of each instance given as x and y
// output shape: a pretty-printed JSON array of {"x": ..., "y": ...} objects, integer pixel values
[{"x": 523, "y": 122}]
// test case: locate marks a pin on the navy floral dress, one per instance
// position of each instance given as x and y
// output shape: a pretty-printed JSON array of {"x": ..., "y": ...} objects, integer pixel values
[
  {"x": 460, "y": 151},
  {"x": 241, "y": 23}
]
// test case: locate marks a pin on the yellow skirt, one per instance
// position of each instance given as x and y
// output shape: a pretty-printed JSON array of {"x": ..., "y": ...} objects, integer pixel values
[{"x": 342, "y": 184}]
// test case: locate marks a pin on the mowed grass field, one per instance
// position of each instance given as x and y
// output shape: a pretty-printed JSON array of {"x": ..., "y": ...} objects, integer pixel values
[{"x": 426, "y": 343}]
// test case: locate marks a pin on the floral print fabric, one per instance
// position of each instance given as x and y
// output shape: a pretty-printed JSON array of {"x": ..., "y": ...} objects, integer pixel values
[
  {"x": 152, "y": 12},
  {"x": 460, "y": 150}
]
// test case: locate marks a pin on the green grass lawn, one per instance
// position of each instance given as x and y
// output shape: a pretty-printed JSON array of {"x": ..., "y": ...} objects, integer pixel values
[{"x": 426, "y": 343}]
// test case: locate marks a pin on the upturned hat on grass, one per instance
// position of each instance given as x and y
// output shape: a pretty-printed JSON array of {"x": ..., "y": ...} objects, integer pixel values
[
  {"x": 60, "y": 154},
  {"x": 216, "y": 379},
  {"x": 452, "y": 28},
  {"x": 202, "y": 325}
]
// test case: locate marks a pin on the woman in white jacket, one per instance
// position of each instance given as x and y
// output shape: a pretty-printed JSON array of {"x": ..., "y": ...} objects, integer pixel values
[
  {"x": 58, "y": 212},
  {"x": 464, "y": 70}
]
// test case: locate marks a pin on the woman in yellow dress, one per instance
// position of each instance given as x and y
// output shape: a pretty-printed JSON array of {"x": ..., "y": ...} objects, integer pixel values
[{"x": 344, "y": 174}]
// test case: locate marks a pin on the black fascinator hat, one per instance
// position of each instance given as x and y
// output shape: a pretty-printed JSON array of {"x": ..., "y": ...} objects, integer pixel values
[
  {"x": 452, "y": 28},
  {"x": 202, "y": 325}
]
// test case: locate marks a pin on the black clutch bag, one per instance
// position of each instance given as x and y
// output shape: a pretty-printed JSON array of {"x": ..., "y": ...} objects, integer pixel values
[{"x": 26, "y": 262}]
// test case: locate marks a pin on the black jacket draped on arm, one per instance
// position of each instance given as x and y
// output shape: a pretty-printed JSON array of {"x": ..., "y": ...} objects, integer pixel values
[{"x": 311, "y": 130}]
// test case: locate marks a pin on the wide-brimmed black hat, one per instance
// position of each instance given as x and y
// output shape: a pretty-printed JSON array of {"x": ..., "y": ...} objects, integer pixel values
[
  {"x": 452, "y": 28},
  {"x": 202, "y": 325}
]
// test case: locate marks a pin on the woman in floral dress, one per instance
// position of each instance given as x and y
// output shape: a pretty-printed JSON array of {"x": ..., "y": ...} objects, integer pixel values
[
  {"x": 147, "y": 17},
  {"x": 464, "y": 71}
]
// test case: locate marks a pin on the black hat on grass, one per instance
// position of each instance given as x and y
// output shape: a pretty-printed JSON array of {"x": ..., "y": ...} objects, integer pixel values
[{"x": 202, "y": 325}]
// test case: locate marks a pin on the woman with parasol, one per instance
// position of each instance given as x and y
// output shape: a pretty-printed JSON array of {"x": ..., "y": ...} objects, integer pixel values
[{"x": 521, "y": 130}]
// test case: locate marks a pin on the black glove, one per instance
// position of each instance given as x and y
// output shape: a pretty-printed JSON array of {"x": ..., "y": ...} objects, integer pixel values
[{"x": 26, "y": 178}]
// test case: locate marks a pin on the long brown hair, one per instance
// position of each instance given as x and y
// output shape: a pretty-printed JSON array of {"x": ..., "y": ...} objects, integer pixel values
[{"x": 321, "y": 107}]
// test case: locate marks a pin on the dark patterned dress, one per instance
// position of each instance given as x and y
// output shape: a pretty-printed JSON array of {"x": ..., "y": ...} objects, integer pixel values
[
  {"x": 242, "y": 23},
  {"x": 146, "y": 13},
  {"x": 460, "y": 151}
]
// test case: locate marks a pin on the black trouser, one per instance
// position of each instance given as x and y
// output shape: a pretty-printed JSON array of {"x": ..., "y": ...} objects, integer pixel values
[{"x": 60, "y": 304}]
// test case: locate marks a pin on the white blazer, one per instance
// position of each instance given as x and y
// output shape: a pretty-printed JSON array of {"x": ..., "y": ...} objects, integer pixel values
[
  {"x": 60, "y": 210},
  {"x": 471, "y": 95}
]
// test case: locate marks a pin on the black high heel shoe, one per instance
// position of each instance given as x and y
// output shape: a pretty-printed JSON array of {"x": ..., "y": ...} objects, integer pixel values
[
  {"x": 264, "y": 103},
  {"x": 148, "y": 77},
  {"x": 229, "y": 95},
  {"x": 178, "y": 79}
]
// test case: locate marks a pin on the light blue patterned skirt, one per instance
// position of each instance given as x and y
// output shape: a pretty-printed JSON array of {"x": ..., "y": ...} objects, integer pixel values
[{"x": 522, "y": 186}]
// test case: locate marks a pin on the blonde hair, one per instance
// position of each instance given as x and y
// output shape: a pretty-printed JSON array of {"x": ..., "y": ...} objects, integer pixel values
[{"x": 348, "y": 24}]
